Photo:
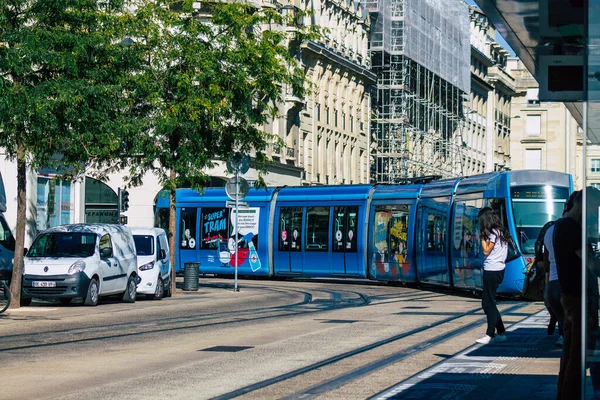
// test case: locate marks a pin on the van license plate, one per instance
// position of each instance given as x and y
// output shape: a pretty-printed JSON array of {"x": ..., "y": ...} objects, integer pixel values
[{"x": 43, "y": 284}]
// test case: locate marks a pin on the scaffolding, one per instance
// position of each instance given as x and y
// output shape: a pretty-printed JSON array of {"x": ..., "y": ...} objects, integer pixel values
[{"x": 420, "y": 52}]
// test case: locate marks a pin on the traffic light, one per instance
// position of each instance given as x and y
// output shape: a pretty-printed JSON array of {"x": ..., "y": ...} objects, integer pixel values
[{"x": 124, "y": 200}]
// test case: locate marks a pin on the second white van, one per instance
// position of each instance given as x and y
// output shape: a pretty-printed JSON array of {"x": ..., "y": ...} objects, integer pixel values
[{"x": 154, "y": 265}]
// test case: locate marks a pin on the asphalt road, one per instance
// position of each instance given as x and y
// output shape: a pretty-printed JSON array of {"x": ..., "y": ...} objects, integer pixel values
[{"x": 271, "y": 340}]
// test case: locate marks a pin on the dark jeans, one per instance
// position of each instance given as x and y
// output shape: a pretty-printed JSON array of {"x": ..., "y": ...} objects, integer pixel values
[
  {"x": 569, "y": 377},
  {"x": 553, "y": 303},
  {"x": 491, "y": 281}
]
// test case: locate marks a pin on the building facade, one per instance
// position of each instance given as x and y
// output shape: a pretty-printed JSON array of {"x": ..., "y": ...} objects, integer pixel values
[
  {"x": 544, "y": 134},
  {"x": 326, "y": 133},
  {"x": 489, "y": 122},
  {"x": 419, "y": 50}
]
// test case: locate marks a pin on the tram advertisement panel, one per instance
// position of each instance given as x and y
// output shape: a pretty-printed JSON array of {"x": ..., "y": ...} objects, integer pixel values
[
  {"x": 218, "y": 226},
  {"x": 390, "y": 256},
  {"x": 247, "y": 231}
]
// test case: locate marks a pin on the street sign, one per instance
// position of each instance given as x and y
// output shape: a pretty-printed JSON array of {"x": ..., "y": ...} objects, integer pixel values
[
  {"x": 239, "y": 163},
  {"x": 231, "y": 204},
  {"x": 242, "y": 188}
]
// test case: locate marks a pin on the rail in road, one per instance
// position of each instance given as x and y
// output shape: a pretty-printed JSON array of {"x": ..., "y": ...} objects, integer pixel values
[{"x": 272, "y": 340}]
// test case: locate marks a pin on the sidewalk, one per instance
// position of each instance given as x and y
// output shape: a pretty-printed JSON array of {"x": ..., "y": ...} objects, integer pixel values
[{"x": 525, "y": 367}]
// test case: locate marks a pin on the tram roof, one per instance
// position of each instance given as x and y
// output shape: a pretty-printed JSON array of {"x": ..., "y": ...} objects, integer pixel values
[
  {"x": 324, "y": 193},
  {"x": 439, "y": 188},
  {"x": 385, "y": 192}
]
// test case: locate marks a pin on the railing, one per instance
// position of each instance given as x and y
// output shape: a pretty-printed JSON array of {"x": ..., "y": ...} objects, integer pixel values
[{"x": 290, "y": 152}]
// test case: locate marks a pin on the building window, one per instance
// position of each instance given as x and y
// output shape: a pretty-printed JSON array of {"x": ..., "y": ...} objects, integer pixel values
[
  {"x": 351, "y": 124},
  {"x": 532, "y": 96},
  {"x": 101, "y": 203},
  {"x": 318, "y": 112},
  {"x": 534, "y": 123},
  {"x": 55, "y": 202},
  {"x": 327, "y": 115},
  {"x": 596, "y": 185},
  {"x": 533, "y": 159},
  {"x": 335, "y": 118},
  {"x": 596, "y": 165},
  {"x": 344, "y": 121}
]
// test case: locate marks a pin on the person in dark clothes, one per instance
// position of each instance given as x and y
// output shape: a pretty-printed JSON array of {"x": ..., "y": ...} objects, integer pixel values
[{"x": 567, "y": 252}]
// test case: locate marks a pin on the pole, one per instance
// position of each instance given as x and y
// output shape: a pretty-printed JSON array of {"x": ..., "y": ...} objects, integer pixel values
[{"x": 237, "y": 195}]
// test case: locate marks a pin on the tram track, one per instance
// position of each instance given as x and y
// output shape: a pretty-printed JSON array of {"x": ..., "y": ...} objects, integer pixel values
[
  {"x": 170, "y": 323},
  {"x": 124, "y": 330},
  {"x": 360, "y": 372}
]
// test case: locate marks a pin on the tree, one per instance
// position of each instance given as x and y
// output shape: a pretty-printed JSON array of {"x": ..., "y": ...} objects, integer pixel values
[
  {"x": 214, "y": 77},
  {"x": 65, "y": 90}
]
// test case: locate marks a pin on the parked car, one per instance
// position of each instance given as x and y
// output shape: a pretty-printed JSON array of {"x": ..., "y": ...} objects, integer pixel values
[
  {"x": 81, "y": 261},
  {"x": 154, "y": 265}
]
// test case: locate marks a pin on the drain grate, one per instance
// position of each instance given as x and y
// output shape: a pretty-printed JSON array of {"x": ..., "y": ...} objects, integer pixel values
[{"x": 227, "y": 349}]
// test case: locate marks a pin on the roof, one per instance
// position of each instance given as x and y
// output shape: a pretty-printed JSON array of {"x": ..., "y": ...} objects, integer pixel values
[
  {"x": 138, "y": 230},
  {"x": 98, "y": 229}
]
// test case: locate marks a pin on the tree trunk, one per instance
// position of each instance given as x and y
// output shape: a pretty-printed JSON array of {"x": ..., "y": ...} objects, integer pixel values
[
  {"x": 17, "y": 275},
  {"x": 172, "y": 227}
]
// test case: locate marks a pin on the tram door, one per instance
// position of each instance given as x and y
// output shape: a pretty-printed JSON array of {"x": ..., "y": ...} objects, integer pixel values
[
  {"x": 289, "y": 254},
  {"x": 344, "y": 233},
  {"x": 188, "y": 238}
]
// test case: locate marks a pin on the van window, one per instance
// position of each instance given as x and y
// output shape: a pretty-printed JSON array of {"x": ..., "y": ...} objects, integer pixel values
[
  {"x": 63, "y": 244},
  {"x": 144, "y": 244},
  {"x": 162, "y": 239},
  {"x": 105, "y": 242},
  {"x": 7, "y": 240}
]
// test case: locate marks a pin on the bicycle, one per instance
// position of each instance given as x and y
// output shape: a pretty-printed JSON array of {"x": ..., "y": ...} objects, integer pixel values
[{"x": 4, "y": 296}]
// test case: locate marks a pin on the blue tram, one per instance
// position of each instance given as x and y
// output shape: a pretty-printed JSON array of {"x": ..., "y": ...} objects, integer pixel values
[{"x": 407, "y": 233}]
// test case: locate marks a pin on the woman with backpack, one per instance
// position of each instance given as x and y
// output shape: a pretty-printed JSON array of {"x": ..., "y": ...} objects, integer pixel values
[{"x": 494, "y": 243}]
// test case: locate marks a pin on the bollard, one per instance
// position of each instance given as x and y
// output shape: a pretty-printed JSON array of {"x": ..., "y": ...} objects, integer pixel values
[{"x": 191, "y": 279}]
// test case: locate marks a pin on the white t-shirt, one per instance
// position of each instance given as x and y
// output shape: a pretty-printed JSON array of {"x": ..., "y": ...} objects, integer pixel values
[
  {"x": 548, "y": 245},
  {"x": 495, "y": 260}
]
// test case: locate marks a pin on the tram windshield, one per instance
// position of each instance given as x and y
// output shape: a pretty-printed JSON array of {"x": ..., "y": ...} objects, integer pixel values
[{"x": 533, "y": 206}]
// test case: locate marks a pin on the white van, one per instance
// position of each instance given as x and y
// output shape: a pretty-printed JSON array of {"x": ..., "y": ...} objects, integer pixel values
[
  {"x": 7, "y": 240},
  {"x": 154, "y": 262},
  {"x": 81, "y": 261}
]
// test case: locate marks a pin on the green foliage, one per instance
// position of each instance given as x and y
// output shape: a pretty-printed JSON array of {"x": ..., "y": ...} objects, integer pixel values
[
  {"x": 213, "y": 77},
  {"x": 65, "y": 76}
]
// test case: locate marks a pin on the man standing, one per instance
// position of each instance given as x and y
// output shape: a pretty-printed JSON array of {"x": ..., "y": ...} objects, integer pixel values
[{"x": 567, "y": 252}]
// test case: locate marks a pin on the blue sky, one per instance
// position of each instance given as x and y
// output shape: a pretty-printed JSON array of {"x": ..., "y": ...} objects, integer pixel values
[{"x": 499, "y": 37}]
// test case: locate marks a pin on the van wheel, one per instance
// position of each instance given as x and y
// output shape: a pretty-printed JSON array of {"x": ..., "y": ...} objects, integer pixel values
[
  {"x": 160, "y": 289},
  {"x": 25, "y": 301},
  {"x": 92, "y": 294},
  {"x": 130, "y": 290}
]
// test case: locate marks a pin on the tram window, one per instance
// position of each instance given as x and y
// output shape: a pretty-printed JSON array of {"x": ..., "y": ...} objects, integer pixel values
[
  {"x": 352, "y": 231},
  {"x": 290, "y": 229},
  {"x": 162, "y": 219},
  {"x": 465, "y": 235},
  {"x": 436, "y": 232},
  {"x": 214, "y": 227},
  {"x": 532, "y": 207},
  {"x": 187, "y": 228},
  {"x": 317, "y": 229},
  {"x": 344, "y": 229},
  {"x": 391, "y": 231}
]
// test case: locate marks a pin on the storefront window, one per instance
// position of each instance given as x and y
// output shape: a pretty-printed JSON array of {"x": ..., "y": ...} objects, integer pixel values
[
  {"x": 101, "y": 203},
  {"x": 55, "y": 205}
]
